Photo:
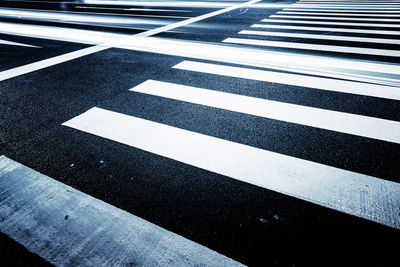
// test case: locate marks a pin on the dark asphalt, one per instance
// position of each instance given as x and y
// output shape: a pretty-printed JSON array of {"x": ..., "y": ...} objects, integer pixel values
[{"x": 255, "y": 226}]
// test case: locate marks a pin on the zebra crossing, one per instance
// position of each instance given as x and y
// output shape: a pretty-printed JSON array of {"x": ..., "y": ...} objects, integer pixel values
[
  {"x": 182, "y": 129},
  {"x": 315, "y": 28}
]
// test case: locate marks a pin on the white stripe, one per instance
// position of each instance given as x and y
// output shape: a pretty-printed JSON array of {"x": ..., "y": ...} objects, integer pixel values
[
  {"x": 338, "y": 14},
  {"x": 306, "y": 28},
  {"x": 375, "y": 128},
  {"x": 306, "y": 46},
  {"x": 335, "y": 18},
  {"x": 323, "y": 37},
  {"x": 356, "y": 194},
  {"x": 383, "y": 73},
  {"x": 359, "y": 7},
  {"x": 293, "y": 79},
  {"x": 331, "y": 23},
  {"x": 5, "y": 42},
  {"x": 4, "y": 75},
  {"x": 342, "y": 10},
  {"x": 69, "y": 228}
]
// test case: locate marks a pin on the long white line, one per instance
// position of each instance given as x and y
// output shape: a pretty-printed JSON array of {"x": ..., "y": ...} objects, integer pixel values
[
  {"x": 342, "y": 10},
  {"x": 349, "y": 192},
  {"x": 354, "y": 15},
  {"x": 360, "y": 7},
  {"x": 380, "y": 129},
  {"x": 293, "y": 79},
  {"x": 327, "y": 29},
  {"x": 335, "y": 18},
  {"x": 323, "y": 37},
  {"x": 332, "y": 23},
  {"x": 69, "y": 228},
  {"x": 4, "y": 75},
  {"x": 317, "y": 47}
]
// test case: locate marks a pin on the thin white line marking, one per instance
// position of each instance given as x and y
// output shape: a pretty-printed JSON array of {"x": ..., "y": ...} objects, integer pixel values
[
  {"x": 323, "y": 37},
  {"x": 380, "y": 129},
  {"x": 331, "y": 23},
  {"x": 5, "y": 42},
  {"x": 355, "y": 15},
  {"x": 318, "y": 47},
  {"x": 335, "y": 18},
  {"x": 356, "y": 194},
  {"x": 342, "y": 10},
  {"x": 69, "y": 228},
  {"x": 293, "y": 79},
  {"x": 306, "y": 28},
  {"x": 7, "y": 74}
]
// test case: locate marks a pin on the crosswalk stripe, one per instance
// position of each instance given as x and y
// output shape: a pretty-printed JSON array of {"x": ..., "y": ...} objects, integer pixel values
[
  {"x": 343, "y": 10},
  {"x": 359, "y": 7},
  {"x": 331, "y": 23},
  {"x": 68, "y": 228},
  {"x": 335, "y": 18},
  {"x": 338, "y": 14},
  {"x": 293, "y": 79},
  {"x": 369, "y": 127},
  {"x": 349, "y": 192},
  {"x": 322, "y": 37},
  {"x": 318, "y": 47},
  {"x": 327, "y": 29}
]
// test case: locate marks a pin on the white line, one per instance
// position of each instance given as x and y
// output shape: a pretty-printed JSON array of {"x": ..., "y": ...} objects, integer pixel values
[
  {"x": 342, "y": 10},
  {"x": 323, "y": 37},
  {"x": 332, "y": 23},
  {"x": 380, "y": 129},
  {"x": 293, "y": 79},
  {"x": 356, "y": 194},
  {"x": 325, "y": 29},
  {"x": 318, "y": 47},
  {"x": 69, "y": 228},
  {"x": 4, "y": 75},
  {"x": 359, "y": 7},
  {"x": 5, "y": 42},
  {"x": 335, "y": 18},
  {"x": 338, "y": 14}
]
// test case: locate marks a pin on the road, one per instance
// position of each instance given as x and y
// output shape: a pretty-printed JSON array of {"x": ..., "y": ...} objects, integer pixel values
[{"x": 265, "y": 133}]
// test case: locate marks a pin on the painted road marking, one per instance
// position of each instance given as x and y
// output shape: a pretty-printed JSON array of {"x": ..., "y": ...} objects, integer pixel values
[
  {"x": 325, "y": 29},
  {"x": 323, "y": 37},
  {"x": 7, "y": 74},
  {"x": 318, "y": 47},
  {"x": 349, "y": 192},
  {"x": 293, "y": 79},
  {"x": 380, "y": 129},
  {"x": 69, "y": 228}
]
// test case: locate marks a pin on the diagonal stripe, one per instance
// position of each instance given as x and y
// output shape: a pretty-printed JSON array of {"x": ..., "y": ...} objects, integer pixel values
[
  {"x": 369, "y": 127},
  {"x": 318, "y": 47},
  {"x": 69, "y": 228},
  {"x": 5, "y": 42},
  {"x": 293, "y": 79},
  {"x": 356, "y": 194},
  {"x": 8, "y": 74}
]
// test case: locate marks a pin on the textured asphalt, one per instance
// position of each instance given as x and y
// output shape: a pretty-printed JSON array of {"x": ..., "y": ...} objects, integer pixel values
[{"x": 250, "y": 224}]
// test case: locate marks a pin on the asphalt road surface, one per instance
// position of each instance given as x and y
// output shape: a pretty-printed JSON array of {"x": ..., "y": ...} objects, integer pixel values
[{"x": 190, "y": 133}]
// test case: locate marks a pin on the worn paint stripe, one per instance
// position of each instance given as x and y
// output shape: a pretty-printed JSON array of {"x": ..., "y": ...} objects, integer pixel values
[{"x": 69, "y": 228}]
